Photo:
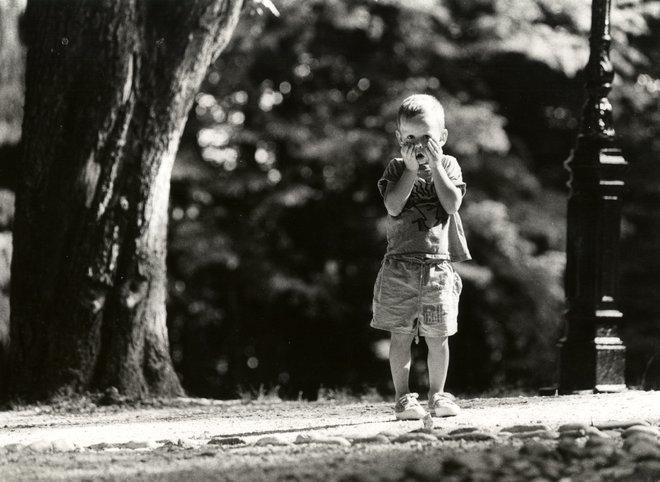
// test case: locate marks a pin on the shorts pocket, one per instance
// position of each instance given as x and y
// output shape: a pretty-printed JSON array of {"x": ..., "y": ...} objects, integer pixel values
[
  {"x": 450, "y": 306},
  {"x": 378, "y": 285}
]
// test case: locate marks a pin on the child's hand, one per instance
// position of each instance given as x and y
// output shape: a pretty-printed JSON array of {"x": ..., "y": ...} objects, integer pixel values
[
  {"x": 408, "y": 154},
  {"x": 434, "y": 153}
]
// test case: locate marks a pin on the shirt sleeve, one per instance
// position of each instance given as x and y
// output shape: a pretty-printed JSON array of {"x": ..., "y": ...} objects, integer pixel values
[
  {"x": 454, "y": 172},
  {"x": 392, "y": 173}
]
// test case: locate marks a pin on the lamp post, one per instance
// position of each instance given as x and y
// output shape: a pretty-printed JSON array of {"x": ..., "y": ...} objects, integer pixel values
[{"x": 592, "y": 356}]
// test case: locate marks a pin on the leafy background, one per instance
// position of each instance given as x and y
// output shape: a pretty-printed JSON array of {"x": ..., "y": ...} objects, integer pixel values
[{"x": 276, "y": 230}]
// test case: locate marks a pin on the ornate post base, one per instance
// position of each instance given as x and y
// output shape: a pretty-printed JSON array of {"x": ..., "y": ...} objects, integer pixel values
[
  {"x": 593, "y": 363},
  {"x": 592, "y": 356}
]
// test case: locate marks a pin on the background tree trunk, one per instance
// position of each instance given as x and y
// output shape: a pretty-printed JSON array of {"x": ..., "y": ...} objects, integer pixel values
[
  {"x": 109, "y": 84},
  {"x": 12, "y": 66}
]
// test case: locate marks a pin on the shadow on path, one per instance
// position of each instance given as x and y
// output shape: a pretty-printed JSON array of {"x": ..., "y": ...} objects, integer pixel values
[{"x": 304, "y": 429}]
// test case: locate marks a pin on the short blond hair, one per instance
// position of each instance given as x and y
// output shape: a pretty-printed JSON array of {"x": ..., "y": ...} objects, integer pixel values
[{"x": 419, "y": 104}]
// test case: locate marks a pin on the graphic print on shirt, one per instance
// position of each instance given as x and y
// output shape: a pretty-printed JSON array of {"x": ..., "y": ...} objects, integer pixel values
[{"x": 424, "y": 202}]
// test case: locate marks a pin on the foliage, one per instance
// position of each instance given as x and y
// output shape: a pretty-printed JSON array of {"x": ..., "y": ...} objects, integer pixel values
[{"x": 277, "y": 227}]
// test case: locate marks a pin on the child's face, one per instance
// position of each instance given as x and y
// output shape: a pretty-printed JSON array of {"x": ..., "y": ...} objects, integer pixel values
[{"x": 417, "y": 131}]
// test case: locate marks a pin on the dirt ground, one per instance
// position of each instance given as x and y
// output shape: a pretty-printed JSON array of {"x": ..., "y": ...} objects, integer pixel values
[{"x": 198, "y": 439}]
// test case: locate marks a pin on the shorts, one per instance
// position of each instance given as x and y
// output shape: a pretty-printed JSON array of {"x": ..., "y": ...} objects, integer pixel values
[{"x": 417, "y": 297}]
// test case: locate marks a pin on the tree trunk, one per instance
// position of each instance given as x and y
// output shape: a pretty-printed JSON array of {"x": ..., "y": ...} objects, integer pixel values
[
  {"x": 109, "y": 84},
  {"x": 12, "y": 58}
]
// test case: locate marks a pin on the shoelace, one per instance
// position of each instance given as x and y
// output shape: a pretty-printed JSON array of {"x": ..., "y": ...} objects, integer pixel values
[{"x": 407, "y": 399}]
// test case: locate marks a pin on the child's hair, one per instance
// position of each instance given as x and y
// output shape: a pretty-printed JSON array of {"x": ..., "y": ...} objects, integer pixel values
[{"x": 419, "y": 104}]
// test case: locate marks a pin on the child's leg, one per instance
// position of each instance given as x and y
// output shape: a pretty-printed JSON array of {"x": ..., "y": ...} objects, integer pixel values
[
  {"x": 400, "y": 362},
  {"x": 438, "y": 363}
]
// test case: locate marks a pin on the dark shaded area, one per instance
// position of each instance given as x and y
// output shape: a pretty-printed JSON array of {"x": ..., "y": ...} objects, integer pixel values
[{"x": 276, "y": 220}]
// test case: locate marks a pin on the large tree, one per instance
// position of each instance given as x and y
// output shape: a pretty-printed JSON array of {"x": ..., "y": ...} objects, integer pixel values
[{"x": 109, "y": 84}]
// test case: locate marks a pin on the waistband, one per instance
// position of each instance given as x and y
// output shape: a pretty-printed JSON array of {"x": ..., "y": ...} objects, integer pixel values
[{"x": 417, "y": 259}]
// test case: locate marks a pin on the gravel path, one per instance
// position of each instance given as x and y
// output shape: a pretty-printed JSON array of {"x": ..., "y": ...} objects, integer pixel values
[{"x": 598, "y": 437}]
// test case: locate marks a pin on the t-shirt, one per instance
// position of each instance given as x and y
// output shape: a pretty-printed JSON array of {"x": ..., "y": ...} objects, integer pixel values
[{"x": 423, "y": 228}]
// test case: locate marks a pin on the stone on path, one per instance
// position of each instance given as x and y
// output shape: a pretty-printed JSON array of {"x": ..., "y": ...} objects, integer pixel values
[
  {"x": 573, "y": 429},
  {"x": 372, "y": 439},
  {"x": 389, "y": 434},
  {"x": 427, "y": 421},
  {"x": 320, "y": 439},
  {"x": 475, "y": 436},
  {"x": 62, "y": 445},
  {"x": 226, "y": 441},
  {"x": 643, "y": 449},
  {"x": 598, "y": 441},
  {"x": 12, "y": 448},
  {"x": 617, "y": 424},
  {"x": 40, "y": 446},
  {"x": 100, "y": 446},
  {"x": 271, "y": 441},
  {"x": 525, "y": 428},
  {"x": 415, "y": 437},
  {"x": 637, "y": 429},
  {"x": 540, "y": 434},
  {"x": 596, "y": 432},
  {"x": 569, "y": 449},
  {"x": 536, "y": 449},
  {"x": 185, "y": 444},
  {"x": 137, "y": 445},
  {"x": 463, "y": 430}
]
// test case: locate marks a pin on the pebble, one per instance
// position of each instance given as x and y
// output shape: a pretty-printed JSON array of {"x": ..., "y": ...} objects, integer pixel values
[
  {"x": 415, "y": 437},
  {"x": 598, "y": 441},
  {"x": 100, "y": 446},
  {"x": 389, "y": 434},
  {"x": 226, "y": 441},
  {"x": 572, "y": 433},
  {"x": 643, "y": 449},
  {"x": 136, "y": 445},
  {"x": 613, "y": 425},
  {"x": 569, "y": 449},
  {"x": 573, "y": 427},
  {"x": 637, "y": 429},
  {"x": 596, "y": 432},
  {"x": 461, "y": 430},
  {"x": 541, "y": 434},
  {"x": 536, "y": 449},
  {"x": 604, "y": 450},
  {"x": 271, "y": 441},
  {"x": 373, "y": 439},
  {"x": 477, "y": 436},
  {"x": 320, "y": 439},
  {"x": 40, "y": 446},
  {"x": 427, "y": 421},
  {"x": 634, "y": 438},
  {"x": 525, "y": 428},
  {"x": 62, "y": 445},
  {"x": 12, "y": 448},
  {"x": 185, "y": 444}
]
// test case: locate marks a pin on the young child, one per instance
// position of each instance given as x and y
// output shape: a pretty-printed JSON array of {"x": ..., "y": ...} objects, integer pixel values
[{"x": 417, "y": 290}]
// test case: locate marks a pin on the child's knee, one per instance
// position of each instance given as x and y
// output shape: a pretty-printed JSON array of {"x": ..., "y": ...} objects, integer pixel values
[{"x": 438, "y": 342}]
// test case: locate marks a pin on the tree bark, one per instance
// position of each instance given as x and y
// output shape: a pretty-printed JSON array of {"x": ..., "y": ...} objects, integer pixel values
[
  {"x": 109, "y": 84},
  {"x": 12, "y": 59}
]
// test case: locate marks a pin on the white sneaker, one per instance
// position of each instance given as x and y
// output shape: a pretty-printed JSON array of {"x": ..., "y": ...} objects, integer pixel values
[
  {"x": 408, "y": 408},
  {"x": 442, "y": 404}
]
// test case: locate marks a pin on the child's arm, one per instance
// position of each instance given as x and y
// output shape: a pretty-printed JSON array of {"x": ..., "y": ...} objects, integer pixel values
[
  {"x": 397, "y": 193},
  {"x": 449, "y": 194}
]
